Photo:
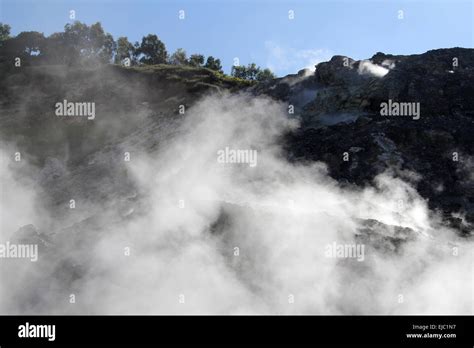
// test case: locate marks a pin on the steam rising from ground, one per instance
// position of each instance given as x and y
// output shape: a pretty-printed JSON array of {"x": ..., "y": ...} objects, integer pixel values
[
  {"x": 193, "y": 213},
  {"x": 366, "y": 67}
]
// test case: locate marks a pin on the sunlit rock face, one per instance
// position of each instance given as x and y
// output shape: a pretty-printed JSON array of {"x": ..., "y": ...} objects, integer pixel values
[{"x": 344, "y": 115}]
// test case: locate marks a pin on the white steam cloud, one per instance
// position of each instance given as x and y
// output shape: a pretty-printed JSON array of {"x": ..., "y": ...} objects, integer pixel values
[
  {"x": 213, "y": 238},
  {"x": 366, "y": 67}
]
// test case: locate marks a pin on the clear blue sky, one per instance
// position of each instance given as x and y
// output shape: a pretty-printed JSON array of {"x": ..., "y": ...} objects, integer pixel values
[{"x": 260, "y": 31}]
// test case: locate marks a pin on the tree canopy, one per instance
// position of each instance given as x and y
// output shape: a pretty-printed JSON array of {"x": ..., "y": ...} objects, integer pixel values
[
  {"x": 82, "y": 44},
  {"x": 213, "y": 64},
  {"x": 4, "y": 32},
  {"x": 252, "y": 72},
  {"x": 152, "y": 50},
  {"x": 179, "y": 57},
  {"x": 125, "y": 49},
  {"x": 196, "y": 60}
]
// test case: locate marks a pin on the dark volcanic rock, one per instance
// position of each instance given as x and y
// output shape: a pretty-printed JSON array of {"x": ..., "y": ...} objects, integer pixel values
[
  {"x": 338, "y": 105},
  {"x": 431, "y": 79},
  {"x": 385, "y": 238},
  {"x": 343, "y": 119}
]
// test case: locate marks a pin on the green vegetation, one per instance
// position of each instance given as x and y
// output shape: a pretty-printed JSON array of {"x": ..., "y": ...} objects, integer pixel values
[
  {"x": 179, "y": 57},
  {"x": 252, "y": 72},
  {"x": 125, "y": 50},
  {"x": 4, "y": 32},
  {"x": 83, "y": 45},
  {"x": 214, "y": 64},
  {"x": 152, "y": 50},
  {"x": 196, "y": 60}
]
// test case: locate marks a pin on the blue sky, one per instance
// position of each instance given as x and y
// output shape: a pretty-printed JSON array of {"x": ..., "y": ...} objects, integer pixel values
[{"x": 261, "y": 31}]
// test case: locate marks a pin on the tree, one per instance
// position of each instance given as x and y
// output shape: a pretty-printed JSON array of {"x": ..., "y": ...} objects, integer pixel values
[
  {"x": 179, "y": 57},
  {"x": 213, "y": 64},
  {"x": 152, "y": 50},
  {"x": 27, "y": 46},
  {"x": 4, "y": 33},
  {"x": 265, "y": 75},
  {"x": 28, "y": 43},
  {"x": 252, "y": 72},
  {"x": 196, "y": 60},
  {"x": 239, "y": 71},
  {"x": 102, "y": 44},
  {"x": 80, "y": 44},
  {"x": 248, "y": 72},
  {"x": 124, "y": 50},
  {"x": 59, "y": 50},
  {"x": 89, "y": 43}
]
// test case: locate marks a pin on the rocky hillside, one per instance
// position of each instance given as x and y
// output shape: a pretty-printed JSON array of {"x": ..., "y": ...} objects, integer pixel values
[
  {"x": 28, "y": 96},
  {"x": 340, "y": 106},
  {"x": 143, "y": 110}
]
